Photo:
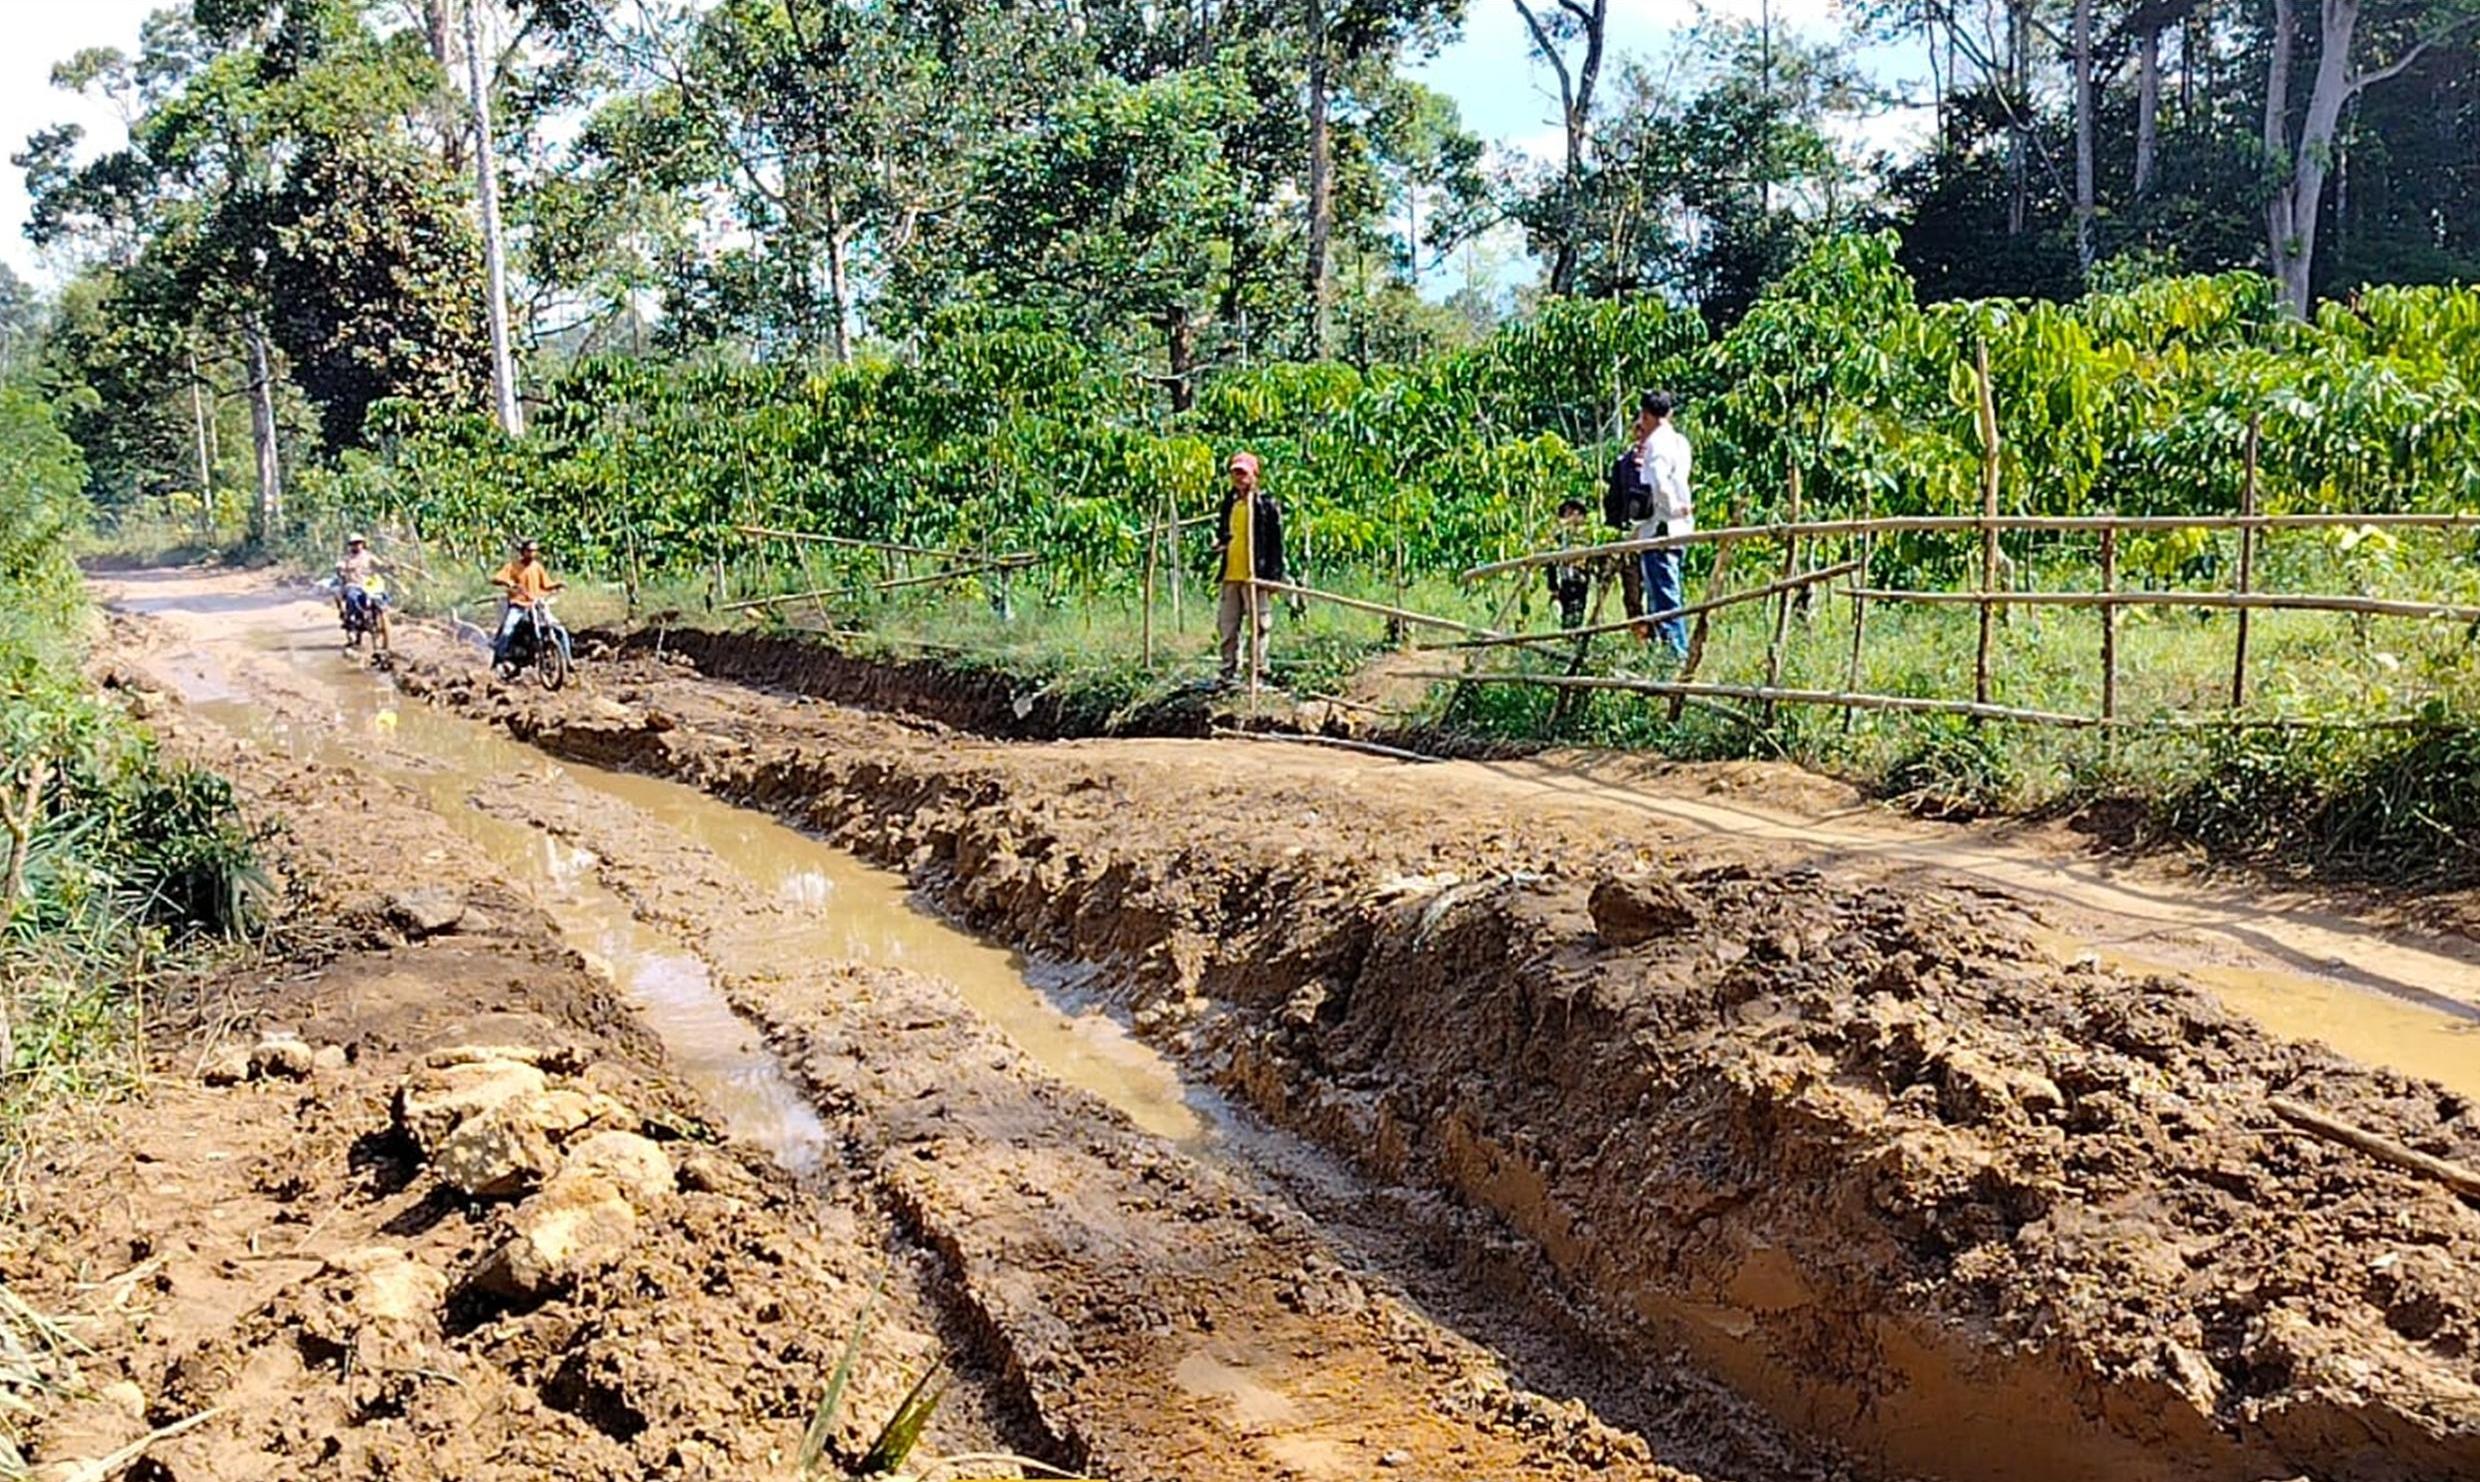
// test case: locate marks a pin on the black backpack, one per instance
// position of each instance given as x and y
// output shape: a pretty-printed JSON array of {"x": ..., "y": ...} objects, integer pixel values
[{"x": 1627, "y": 499}]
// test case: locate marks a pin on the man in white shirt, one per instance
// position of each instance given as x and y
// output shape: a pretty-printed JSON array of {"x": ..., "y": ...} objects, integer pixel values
[{"x": 1662, "y": 455}]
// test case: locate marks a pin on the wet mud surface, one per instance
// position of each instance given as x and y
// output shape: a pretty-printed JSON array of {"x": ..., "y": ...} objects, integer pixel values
[
  {"x": 1848, "y": 1138},
  {"x": 1339, "y": 1119}
]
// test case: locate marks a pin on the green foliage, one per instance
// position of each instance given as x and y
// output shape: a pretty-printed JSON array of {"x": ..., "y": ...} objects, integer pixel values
[
  {"x": 107, "y": 852},
  {"x": 2397, "y": 805}
]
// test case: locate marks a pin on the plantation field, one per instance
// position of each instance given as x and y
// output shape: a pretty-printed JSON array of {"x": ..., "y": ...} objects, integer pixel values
[{"x": 1003, "y": 437}]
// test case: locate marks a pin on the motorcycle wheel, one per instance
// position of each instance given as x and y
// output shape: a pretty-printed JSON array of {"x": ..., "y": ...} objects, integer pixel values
[{"x": 551, "y": 666}]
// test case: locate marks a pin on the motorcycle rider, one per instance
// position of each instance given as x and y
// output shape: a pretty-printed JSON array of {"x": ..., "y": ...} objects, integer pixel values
[
  {"x": 523, "y": 582},
  {"x": 356, "y": 582}
]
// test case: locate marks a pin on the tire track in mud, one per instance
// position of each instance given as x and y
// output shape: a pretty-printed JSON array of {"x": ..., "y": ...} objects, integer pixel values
[{"x": 1868, "y": 1155}]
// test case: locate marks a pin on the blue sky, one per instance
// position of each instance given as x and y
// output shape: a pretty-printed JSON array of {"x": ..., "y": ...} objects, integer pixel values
[{"x": 1503, "y": 95}]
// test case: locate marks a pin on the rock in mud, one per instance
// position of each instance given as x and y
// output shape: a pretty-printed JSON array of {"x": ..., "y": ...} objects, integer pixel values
[
  {"x": 229, "y": 1066},
  {"x": 283, "y": 1057},
  {"x": 427, "y": 910},
  {"x": 433, "y": 1100},
  {"x": 632, "y": 1163},
  {"x": 559, "y": 1059},
  {"x": 514, "y": 1145},
  {"x": 1629, "y": 909},
  {"x": 580, "y": 1222},
  {"x": 389, "y": 1285},
  {"x": 1974, "y": 1089},
  {"x": 331, "y": 1059}
]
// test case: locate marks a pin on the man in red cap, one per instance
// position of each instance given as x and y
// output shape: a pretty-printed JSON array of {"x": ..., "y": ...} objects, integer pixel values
[{"x": 1251, "y": 547}]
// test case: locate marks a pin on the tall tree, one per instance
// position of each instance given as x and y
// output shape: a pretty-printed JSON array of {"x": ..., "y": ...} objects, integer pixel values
[
  {"x": 1555, "y": 29},
  {"x": 2353, "y": 52}
]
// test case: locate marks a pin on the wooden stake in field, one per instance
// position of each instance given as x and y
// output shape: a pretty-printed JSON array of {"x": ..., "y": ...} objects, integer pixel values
[
  {"x": 1782, "y": 609},
  {"x": 1989, "y": 517},
  {"x": 2247, "y": 567},
  {"x": 1153, "y": 550},
  {"x": 1715, "y": 585},
  {"x": 1859, "y": 606},
  {"x": 2109, "y": 626}
]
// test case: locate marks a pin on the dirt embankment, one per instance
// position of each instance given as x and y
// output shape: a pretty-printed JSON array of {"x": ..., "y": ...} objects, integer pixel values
[
  {"x": 1913, "y": 1186},
  {"x": 412, "y": 1194},
  {"x": 982, "y": 701}
]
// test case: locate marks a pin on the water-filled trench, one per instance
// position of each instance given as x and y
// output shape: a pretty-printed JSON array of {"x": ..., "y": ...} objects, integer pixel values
[{"x": 850, "y": 911}]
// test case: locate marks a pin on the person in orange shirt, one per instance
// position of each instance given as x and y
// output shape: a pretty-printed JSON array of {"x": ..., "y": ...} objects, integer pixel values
[{"x": 523, "y": 581}]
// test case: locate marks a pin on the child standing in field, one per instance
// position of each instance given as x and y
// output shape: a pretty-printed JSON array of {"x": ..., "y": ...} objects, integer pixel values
[{"x": 1571, "y": 582}]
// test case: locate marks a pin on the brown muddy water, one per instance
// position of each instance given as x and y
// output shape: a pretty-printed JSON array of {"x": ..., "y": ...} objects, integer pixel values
[{"x": 851, "y": 911}]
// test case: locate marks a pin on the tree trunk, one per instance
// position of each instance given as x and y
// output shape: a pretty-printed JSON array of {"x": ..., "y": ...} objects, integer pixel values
[
  {"x": 1321, "y": 182},
  {"x": 206, "y": 459},
  {"x": 2284, "y": 40},
  {"x": 838, "y": 283},
  {"x": 436, "y": 33},
  {"x": 2148, "y": 109},
  {"x": 268, "y": 511},
  {"x": 1576, "y": 118},
  {"x": 2019, "y": 104},
  {"x": 2084, "y": 204},
  {"x": 1180, "y": 355},
  {"x": 2291, "y": 216},
  {"x": 494, "y": 249}
]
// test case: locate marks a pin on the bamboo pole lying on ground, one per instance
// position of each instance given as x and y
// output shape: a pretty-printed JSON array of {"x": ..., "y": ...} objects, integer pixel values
[
  {"x": 1956, "y": 524},
  {"x": 1339, "y": 743},
  {"x": 1760, "y": 694},
  {"x": 1925, "y": 704},
  {"x": 2258, "y": 601},
  {"x": 1693, "y": 609},
  {"x": 2454, "y": 1176}
]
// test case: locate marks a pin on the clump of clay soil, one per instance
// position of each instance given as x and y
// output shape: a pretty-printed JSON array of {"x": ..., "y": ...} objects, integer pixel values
[{"x": 516, "y": 1273}]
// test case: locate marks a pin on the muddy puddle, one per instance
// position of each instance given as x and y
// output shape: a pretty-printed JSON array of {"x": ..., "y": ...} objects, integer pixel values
[
  {"x": 851, "y": 911},
  {"x": 2429, "y": 1035}
]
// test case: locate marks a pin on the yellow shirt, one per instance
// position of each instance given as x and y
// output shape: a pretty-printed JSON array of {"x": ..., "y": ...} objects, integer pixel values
[
  {"x": 1239, "y": 558},
  {"x": 525, "y": 581}
]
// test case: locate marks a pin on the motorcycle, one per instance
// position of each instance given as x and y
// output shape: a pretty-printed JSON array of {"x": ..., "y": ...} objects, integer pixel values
[
  {"x": 357, "y": 610},
  {"x": 537, "y": 642}
]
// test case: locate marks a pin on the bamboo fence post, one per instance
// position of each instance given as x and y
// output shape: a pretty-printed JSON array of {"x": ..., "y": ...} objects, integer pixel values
[
  {"x": 1564, "y": 704},
  {"x": 1153, "y": 550},
  {"x": 1782, "y": 608},
  {"x": 2247, "y": 568},
  {"x": 1715, "y": 584},
  {"x": 1859, "y": 604},
  {"x": 1171, "y": 517},
  {"x": 637, "y": 574},
  {"x": 1989, "y": 517},
  {"x": 2109, "y": 627}
]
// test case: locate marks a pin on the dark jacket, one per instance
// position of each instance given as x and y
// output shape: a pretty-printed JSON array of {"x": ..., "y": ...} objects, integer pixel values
[
  {"x": 1626, "y": 497},
  {"x": 1266, "y": 524}
]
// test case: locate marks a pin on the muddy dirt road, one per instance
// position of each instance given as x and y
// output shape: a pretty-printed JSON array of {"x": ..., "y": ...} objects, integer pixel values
[{"x": 1454, "y": 1120}]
